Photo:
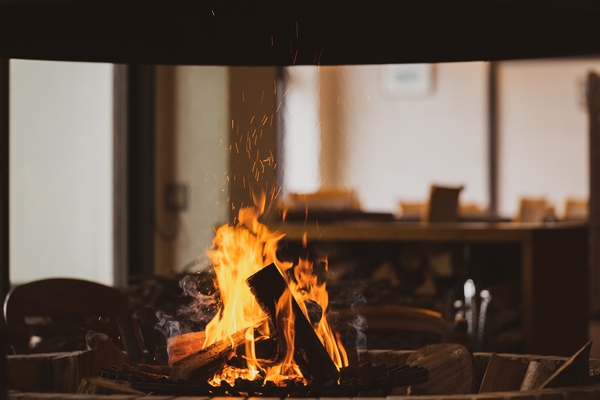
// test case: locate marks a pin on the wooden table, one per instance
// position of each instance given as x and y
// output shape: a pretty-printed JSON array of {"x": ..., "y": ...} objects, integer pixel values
[{"x": 554, "y": 268}]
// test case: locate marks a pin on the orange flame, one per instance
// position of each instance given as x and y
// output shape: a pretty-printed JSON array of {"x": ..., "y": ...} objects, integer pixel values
[{"x": 239, "y": 252}]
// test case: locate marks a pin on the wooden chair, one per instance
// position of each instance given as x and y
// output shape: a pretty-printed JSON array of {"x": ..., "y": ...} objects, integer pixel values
[
  {"x": 64, "y": 307},
  {"x": 534, "y": 210},
  {"x": 576, "y": 210},
  {"x": 398, "y": 319},
  {"x": 443, "y": 204}
]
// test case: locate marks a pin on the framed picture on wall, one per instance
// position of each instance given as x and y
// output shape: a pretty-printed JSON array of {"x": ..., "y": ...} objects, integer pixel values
[{"x": 406, "y": 80}]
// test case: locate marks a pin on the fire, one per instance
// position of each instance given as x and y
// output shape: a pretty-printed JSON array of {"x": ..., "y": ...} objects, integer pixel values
[{"x": 237, "y": 253}]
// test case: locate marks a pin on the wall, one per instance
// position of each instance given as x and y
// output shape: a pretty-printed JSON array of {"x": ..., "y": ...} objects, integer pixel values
[
  {"x": 394, "y": 148},
  {"x": 543, "y": 132},
  {"x": 60, "y": 171},
  {"x": 192, "y": 135}
]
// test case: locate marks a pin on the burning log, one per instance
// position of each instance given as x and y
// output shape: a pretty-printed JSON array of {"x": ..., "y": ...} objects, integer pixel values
[
  {"x": 535, "y": 375},
  {"x": 180, "y": 346},
  {"x": 268, "y": 286},
  {"x": 202, "y": 365}
]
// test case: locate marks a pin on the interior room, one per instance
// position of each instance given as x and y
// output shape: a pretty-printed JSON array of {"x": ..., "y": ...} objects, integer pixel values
[{"x": 160, "y": 210}]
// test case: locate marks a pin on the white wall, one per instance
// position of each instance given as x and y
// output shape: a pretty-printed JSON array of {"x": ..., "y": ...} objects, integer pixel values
[
  {"x": 543, "y": 137},
  {"x": 193, "y": 148},
  {"x": 61, "y": 171},
  {"x": 396, "y": 147}
]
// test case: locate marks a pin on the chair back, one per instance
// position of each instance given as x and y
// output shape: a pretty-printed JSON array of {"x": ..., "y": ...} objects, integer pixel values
[
  {"x": 443, "y": 204},
  {"x": 398, "y": 318},
  {"x": 64, "y": 306}
]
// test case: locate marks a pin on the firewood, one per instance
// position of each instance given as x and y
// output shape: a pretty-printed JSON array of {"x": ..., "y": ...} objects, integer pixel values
[
  {"x": 535, "y": 375},
  {"x": 91, "y": 385},
  {"x": 130, "y": 337},
  {"x": 267, "y": 286},
  {"x": 574, "y": 372},
  {"x": 202, "y": 365},
  {"x": 153, "y": 340},
  {"x": 450, "y": 367},
  {"x": 68, "y": 370},
  {"x": 502, "y": 374},
  {"x": 30, "y": 372},
  {"x": 184, "y": 345},
  {"x": 155, "y": 369}
]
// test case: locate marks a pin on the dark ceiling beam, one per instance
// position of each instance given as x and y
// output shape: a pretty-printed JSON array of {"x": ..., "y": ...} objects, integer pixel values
[{"x": 308, "y": 32}]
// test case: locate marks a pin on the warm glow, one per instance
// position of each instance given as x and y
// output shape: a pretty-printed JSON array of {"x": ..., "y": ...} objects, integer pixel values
[{"x": 239, "y": 252}]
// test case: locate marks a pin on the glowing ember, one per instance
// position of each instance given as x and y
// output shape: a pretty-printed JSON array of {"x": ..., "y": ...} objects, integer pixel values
[{"x": 239, "y": 252}]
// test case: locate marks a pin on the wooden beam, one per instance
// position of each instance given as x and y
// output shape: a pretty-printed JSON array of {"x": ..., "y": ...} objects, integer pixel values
[{"x": 4, "y": 179}]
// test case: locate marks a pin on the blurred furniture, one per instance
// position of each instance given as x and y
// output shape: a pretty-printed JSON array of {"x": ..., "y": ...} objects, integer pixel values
[
  {"x": 57, "y": 309},
  {"x": 576, "y": 210},
  {"x": 398, "y": 318},
  {"x": 442, "y": 205},
  {"x": 553, "y": 267},
  {"x": 534, "y": 210}
]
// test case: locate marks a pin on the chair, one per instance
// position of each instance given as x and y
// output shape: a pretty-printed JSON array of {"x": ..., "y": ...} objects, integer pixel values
[
  {"x": 443, "y": 204},
  {"x": 576, "y": 210},
  {"x": 399, "y": 320},
  {"x": 534, "y": 210},
  {"x": 59, "y": 308}
]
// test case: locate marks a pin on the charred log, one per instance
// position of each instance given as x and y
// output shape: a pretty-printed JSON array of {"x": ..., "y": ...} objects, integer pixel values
[{"x": 268, "y": 285}]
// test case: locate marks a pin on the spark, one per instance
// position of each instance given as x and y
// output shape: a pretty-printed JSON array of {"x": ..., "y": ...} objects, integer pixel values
[
  {"x": 295, "y": 57},
  {"x": 237, "y": 149},
  {"x": 271, "y": 123},
  {"x": 286, "y": 92},
  {"x": 244, "y": 180},
  {"x": 215, "y": 175},
  {"x": 228, "y": 181},
  {"x": 252, "y": 119},
  {"x": 232, "y": 123},
  {"x": 279, "y": 105},
  {"x": 213, "y": 13},
  {"x": 253, "y": 166},
  {"x": 262, "y": 97},
  {"x": 274, "y": 86},
  {"x": 243, "y": 97}
]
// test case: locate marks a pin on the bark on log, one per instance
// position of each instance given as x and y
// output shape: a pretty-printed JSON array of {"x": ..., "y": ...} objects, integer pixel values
[
  {"x": 267, "y": 286},
  {"x": 93, "y": 385},
  {"x": 503, "y": 375},
  {"x": 130, "y": 338},
  {"x": 450, "y": 367},
  {"x": 183, "y": 345},
  {"x": 535, "y": 375},
  {"x": 202, "y": 365},
  {"x": 153, "y": 340}
]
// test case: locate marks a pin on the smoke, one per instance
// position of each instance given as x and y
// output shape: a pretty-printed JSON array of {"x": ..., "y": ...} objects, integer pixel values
[
  {"x": 359, "y": 323},
  {"x": 190, "y": 317}
]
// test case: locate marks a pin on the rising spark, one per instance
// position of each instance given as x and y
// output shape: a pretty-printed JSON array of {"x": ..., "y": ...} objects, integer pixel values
[
  {"x": 252, "y": 119},
  {"x": 295, "y": 57},
  {"x": 262, "y": 97},
  {"x": 243, "y": 97},
  {"x": 279, "y": 105}
]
